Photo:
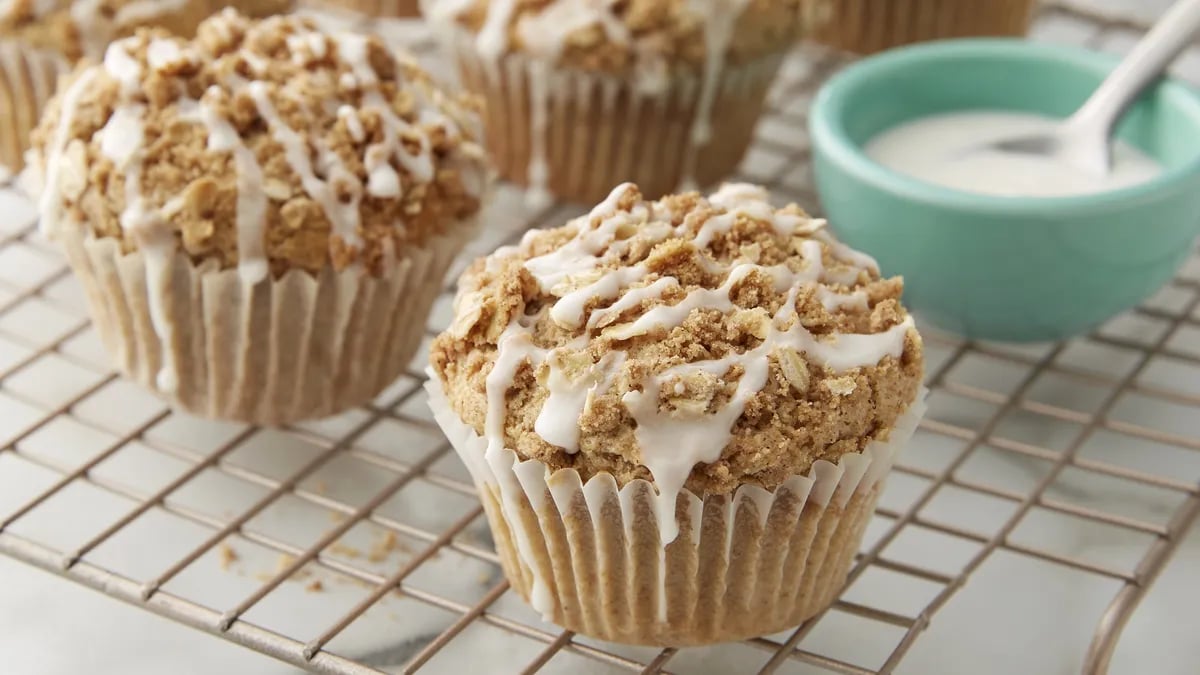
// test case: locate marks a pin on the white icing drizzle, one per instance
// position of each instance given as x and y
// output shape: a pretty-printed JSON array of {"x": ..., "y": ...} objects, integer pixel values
[
  {"x": 163, "y": 54},
  {"x": 834, "y": 301},
  {"x": 123, "y": 68},
  {"x": 493, "y": 36},
  {"x": 122, "y": 140},
  {"x": 568, "y": 311},
  {"x": 671, "y": 442},
  {"x": 50, "y": 205},
  {"x": 343, "y": 216},
  {"x": 382, "y": 179},
  {"x": 558, "y": 421},
  {"x": 545, "y": 33},
  {"x": 251, "y": 213},
  {"x": 353, "y": 124},
  {"x": 719, "y": 19},
  {"x": 538, "y": 172}
]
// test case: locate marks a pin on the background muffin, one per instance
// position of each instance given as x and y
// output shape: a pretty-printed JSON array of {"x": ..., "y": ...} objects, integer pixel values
[
  {"x": 261, "y": 216},
  {"x": 39, "y": 39},
  {"x": 756, "y": 372},
  {"x": 867, "y": 26},
  {"x": 589, "y": 94}
]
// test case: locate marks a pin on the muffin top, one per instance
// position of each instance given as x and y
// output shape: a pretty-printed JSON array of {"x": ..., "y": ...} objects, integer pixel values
[
  {"x": 649, "y": 38},
  {"x": 706, "y": 343},
  {"x": 78, "y": 28},
  {"x": 265, "y": 145}
]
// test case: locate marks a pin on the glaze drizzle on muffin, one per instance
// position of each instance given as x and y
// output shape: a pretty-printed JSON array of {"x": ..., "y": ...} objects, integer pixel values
[{"x": 705, "y": 343}]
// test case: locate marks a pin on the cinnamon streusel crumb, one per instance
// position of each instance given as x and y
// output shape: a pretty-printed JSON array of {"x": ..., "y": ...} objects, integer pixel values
[
  {"x": 79, "y": 28},
  {"x": 338, "y": 150},
  {"x": 681, "y": 299}
]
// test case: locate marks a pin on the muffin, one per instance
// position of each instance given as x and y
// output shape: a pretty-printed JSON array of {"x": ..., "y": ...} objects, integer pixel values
[
  {"x": 868, "y": 26},
  {"x": 262, "y": 216},
  {"x": 663, "y": 93},
  {"x": 678, "y": 413},
  {"x": 40, "y": 39}
]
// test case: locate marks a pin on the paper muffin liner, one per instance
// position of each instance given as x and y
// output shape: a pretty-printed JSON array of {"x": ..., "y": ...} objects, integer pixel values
[
  {"x": 28, "y": 78},
  {"x": 297, "y": 347},
  {"x": 588, "y": 556},
  {"x": 402, "y": 9},
  {"x": 594, "y": 131},
  {"x": 868, "y": 26}
]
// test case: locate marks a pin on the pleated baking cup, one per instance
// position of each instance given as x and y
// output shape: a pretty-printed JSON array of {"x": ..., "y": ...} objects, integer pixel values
[
  {"x": 868, "y": 26},
  {"x": 575, "y": 135},
  {"x": 588, "y": 556},
  {"x": 399, "y": 9},
  {"x": 282, "y": 350},
  {"x": 28, "y": 78}
]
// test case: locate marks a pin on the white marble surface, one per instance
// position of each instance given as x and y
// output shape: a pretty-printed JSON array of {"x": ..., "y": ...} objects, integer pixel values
[{"x": 1016, "y": 615}]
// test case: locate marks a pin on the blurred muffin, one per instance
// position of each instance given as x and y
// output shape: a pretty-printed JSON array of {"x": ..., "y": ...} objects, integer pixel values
[
  {"x": 40, "y": 39},
  {"x": 261, "y": 216},
  {"x": 678, "y": 413},
  {"x": 867, "y": 26},
  {"x": 584, "y": 94}
]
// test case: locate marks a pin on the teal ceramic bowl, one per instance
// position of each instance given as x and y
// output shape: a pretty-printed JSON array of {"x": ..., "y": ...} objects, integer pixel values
[{"x": 994, "y": 267}]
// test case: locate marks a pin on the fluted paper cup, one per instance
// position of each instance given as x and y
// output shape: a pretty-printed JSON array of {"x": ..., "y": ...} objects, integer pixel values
[
  {"x": 591, "y": 132},
  {"x": 297, "y": 347},
  {"x": 868, "y": 26},
  {"x": 588, "y": 556},
  {"x": 28, "y": 78}
]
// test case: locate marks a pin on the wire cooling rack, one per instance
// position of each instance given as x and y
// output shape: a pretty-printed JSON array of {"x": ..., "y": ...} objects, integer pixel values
[{"x": 355, "y": 544}]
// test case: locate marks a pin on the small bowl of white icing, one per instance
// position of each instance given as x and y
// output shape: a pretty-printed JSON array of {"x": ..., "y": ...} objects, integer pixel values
[{"x": 997, "y": 245}]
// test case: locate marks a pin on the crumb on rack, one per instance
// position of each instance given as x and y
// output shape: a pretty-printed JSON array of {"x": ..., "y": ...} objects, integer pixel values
[
  {"x": 383, "y": 547},
  {"x": 315, "y": 586},
  {"x": 226, "y": 556},
  {"x": 344, "y": 550}
]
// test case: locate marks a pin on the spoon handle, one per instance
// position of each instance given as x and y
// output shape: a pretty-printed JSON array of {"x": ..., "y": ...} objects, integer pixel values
[{"x": 1170, "y": 35}]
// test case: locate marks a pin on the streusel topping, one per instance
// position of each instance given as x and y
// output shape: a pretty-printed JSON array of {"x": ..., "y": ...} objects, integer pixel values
[
  {"x": 706, "y": 343},
  {"x": 78, "y": 28},
  {"x": 265, "y": 146},
  {"x": 648, "y": 36}
]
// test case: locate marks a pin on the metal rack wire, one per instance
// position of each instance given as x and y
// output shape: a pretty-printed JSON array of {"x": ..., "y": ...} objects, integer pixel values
[{"x": 45, "y": 337}]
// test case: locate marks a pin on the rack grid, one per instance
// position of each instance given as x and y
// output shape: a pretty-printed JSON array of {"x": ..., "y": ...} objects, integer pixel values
[{"x": 346, "y": 545}]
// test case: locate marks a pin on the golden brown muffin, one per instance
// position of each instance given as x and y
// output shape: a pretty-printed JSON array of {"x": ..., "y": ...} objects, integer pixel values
[
  {"x": 678, "y": 413},
  {"x": 259, "y": 152},
  {"x": 605, "y": 303}
]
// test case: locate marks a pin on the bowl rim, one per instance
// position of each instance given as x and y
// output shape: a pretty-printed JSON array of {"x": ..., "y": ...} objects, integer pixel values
[{"x": 829, "y": 135}]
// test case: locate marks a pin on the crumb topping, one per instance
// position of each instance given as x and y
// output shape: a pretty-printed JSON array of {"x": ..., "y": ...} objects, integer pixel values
[
  {"x": 264, "y": 145},
  {"x": 648, "y": 37},
  {"x": 699, "y": 342},
  {"x": 79, "y": 28}
]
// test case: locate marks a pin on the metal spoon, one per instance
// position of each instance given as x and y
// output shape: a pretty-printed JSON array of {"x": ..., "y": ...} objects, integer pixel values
[{"x": 1083, "y": 139}]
